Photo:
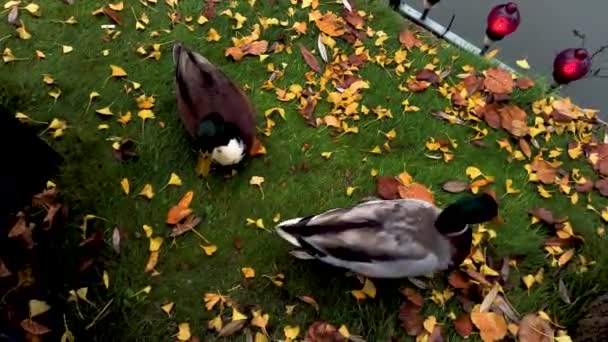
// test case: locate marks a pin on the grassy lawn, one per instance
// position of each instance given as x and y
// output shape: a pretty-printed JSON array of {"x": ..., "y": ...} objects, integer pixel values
[{"x": 298, "y": 180}]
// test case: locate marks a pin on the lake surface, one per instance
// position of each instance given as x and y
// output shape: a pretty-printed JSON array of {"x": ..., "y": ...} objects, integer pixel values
[{"x": 545, "y": 29}]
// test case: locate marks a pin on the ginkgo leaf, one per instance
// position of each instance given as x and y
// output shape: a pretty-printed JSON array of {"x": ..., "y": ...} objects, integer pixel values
[
  {"x": 66, "y": 49},
  {"x": 147, "y": 191},
  {"x": 146, "y": 114},
  {"x": 155, "y": 243},
  {"x": 258, "y": 223},
  {"x": 473, "y": 172},
  {"x": 117, "y": 71},
  {"x": 148, "y": 230},
  {"x": 350, "y": 190},
  {"x": 175, "y": 180},
  {"x": 183, "y": 333},
  {"x": 237, "y": 315},
  {"x": 167, "y": 308},
  {"x": 429, "y": 324},
  {"x": 106, "y": 279},
  {"x": 104, "y": 111},
  {"x": 369, "y": 289},
  {"x": 248, "y": 272},
  {"x": 528, "y": 280},
  {"x": 564, "y": 258},
  {"x": 22, "y": 32},
  {"x": 33, "y": 8},
  {"x": 209, "y": 249},
  {"x": 291, "y": 332},
  {"x": 260, "y": 320},
  {"x": 213, "y": 36},
  {"x": 38, "y": 307},
  {"x": 124, "y": 183},
  {"x": 509, "y": 187},
  {"x": 522, "y": 63}
]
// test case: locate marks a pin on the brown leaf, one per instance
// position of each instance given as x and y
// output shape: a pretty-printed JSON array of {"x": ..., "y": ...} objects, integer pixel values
[
  {"x": 514, "y": 120},
  {"x": 572, "y": 241},
  {"x": 357, "y": 60},
  {"x": 416, "y": 191},
  {"x": 532, "y": 328},
  {"x": 544, "y": 171},
  {"x": 585, "y": 187},
  {"x": 181, "y": 228},
  {"x": 323, "y": 332},
  {"x": 34, "y": 328},
  {"x": 409, "y": 39},
  {"x": 232, "y": 328},
  {"x": 4, "y": 271},
  {"x": 492, "y": 327},
  {"x": 310, "y": 301},
  {"x": 459, "y": 280},
  {"x": 45, "y": 198},
  {"x": 331, "y": 24},
  {"x": 308, "y": 110},
  {"x": 387, "y": 187},
  {"x": 458, "y": 100},
  {"x": 256, "y": 48},
  {"x": 353, "y": 18},
  {"x": 310, "y": 59},
  {"x": 455, "y": 186},
  {"x": 50, "y": 215},
  {"x": 209, "y": 12},
  {"x": 563, "y": 292},
  {"x": 524, "y": 83},
  {"x": 417, "y": 86},
  {"x": 546, "y": 215},
  {"x": 429, "y": 76},
  {"x": 113, "y": 15},
  {"x": 21, "y": 230},
  {"x": 525, "y": 148},
  {"x": 473, "y": 84},
  {"x": 498, "y": 81},
  {"x": 466, "y": 302},
  {"x": 413, "y": 296},
  {"x": 410, "y": 318},
  {"x": 602, "y": 186},
  {"x": 463, "y": 325},
  {"x": 491, "y": 115},
  {"x": 437, "y": 334}
]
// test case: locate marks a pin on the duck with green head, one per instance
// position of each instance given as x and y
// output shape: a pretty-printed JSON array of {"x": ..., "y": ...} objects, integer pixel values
[
  {"x": 390, "y": 239},
  {"x": 214, "y": 110}
]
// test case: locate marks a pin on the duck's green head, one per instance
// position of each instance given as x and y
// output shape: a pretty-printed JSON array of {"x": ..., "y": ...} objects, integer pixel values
[{"x": 454, "y": 219}]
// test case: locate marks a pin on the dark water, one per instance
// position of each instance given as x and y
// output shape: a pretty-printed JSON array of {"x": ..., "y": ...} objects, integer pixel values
[{"x": 545, "y": 29}]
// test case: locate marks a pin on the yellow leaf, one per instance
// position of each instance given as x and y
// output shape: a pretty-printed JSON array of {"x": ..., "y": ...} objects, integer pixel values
[
  {"x": 258, "y": 223},
  {"x": 564, "y": 258},
  {"x": 429, "y": 324},
  {"x": 124, "y": 183},
  {"x": 40, "y": 54},
  {"x": 240, "y": 19},
  {"x": 213, "y": 36},
  {"x": 358, "y": 294},
  {"x": 260, "y": 320},
  {"x": 106, "y": 279},
  {"x": 155, "y": 244},
  {"x": 71, "y": 21},
  {"x": 376, "y": 150},
  {"x": 509, "y": 187},
  {"x": 369, "y": 289},
  {"x": 350, "y": 190},
  {"x": 343, "y": 330},
  {"x": 48, "y": 79},
  {"x": 237, "y": 315},
  {"x": 600, "y": 231},
  {"x": 291, "y": 332},
  {"x": 211, "y": 299},
  {"x": 174, "y": 180},
  {"x": 148, "y": 230},
  {"x": 66, "y": 49},
  {"x": 289, "y": 309},
  {"x": 22, "y": 32},
  {"x": 373, "y": 172},
  {"x": 167, "y": 308},
  {"x": 487, "y": 270},
  {"x": 117, "y": 7},
  {"x": 543, "y": 192},
  {"x": 529, "y": 280},
  {"x": 125, "y": 119},
  {"x": 202, "y": 20},
  {"x": 146, "y": 114},
  {"x": 22, "y": 117},
  {"x": 473, "y": 172},
  {"x": 147, "y": 191},
  {"x": 256, "y": 180},
  {"x": 104, "y": 111},
  {"x": 37, "y": 307},
  {"x": 491, "y": 54},
  {"x": 522, "y": 63},
  {"x": 248, "y": 272},
  {"x": 210, "y": 249},
  {"x": 117, "y": 71},
  {"x": 281, "y": 112},
  {"x": 152, "y": 261},
  {"x": 55, "y": 93},
  {"x": 259, "y": 337},
  {"x": 33, "y": 8},
  {"x": 326, "y": 155},
  {"x": 216, "y": 323},
  {"x": 392, "y": 134},
  {"x": 276, "y": 218},
  {"x": 184, "y": 332},
  {"x": 405, "y": 178}
]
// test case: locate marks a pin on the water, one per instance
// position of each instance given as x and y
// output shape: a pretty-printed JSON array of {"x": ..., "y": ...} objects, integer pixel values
[{"x": 545, "y": 29}]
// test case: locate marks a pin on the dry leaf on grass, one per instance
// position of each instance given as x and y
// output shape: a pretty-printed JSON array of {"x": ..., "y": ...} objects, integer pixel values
[
  {"x": 455, "y": 186},
  {"x": 387, "y": 187},
  {"x": 409, "y": 39},
  {"x": 498, "y": 81},
  {"x": 417, "y": 86},
  {"x": 524, "y": 83},
  {"x": 492, "y": 327},
  {"x": 544, "y": 171},
  {"x": 413, "y": 296},
  {"x": 190, "y": 223},
  {"x": 416, "y": 191},
  {"x": 463, "y": 325},
  {"x": 331, "y": 24},
  {"x": 429, "y": 76},
  {"x": 310, "y": 59},
  {"x": 491, "y": 115},
  {"x": 532, "y": 328},
  {"x": 410, "y": 318},
  {"x": 323, "y": 331},
  {"x": 514, "y": 120}
]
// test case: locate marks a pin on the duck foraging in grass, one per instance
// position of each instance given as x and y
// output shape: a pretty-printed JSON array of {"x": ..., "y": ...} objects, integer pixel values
[
  {"x": 215, "y": 111},
  {"x": 390, "y": 239}
]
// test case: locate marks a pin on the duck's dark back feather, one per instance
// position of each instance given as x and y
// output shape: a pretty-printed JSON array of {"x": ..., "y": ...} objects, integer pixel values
[{"x": 201, "y": 89}]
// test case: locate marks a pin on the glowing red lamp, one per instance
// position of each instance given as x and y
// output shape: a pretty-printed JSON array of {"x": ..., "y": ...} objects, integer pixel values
[
  {"x": 502, "y": 20},
  {"x": 571, "y": 65}
]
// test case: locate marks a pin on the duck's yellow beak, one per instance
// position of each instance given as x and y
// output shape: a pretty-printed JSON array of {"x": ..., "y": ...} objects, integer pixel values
[{"x": 203, "y": 166}]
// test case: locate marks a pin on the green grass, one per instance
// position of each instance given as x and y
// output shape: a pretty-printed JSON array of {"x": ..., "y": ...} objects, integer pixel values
[{"x": 91, "y": 177}]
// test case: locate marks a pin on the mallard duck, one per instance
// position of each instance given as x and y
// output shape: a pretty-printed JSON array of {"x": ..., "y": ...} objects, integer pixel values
[
  {"x": 215, "y": 111},
  {"x": 390, "y": 238}
]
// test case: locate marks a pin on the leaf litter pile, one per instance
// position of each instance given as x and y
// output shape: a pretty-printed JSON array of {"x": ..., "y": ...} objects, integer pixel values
[{"x": 552, "y": 140}]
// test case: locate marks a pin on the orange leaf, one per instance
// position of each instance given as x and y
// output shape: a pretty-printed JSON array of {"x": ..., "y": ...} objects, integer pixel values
[
  {"x": 257, "y": 148},
  {"x": 408, "y": 39},
  {"x": 413, "y": 296},
  {"x": 387, "y": 187},
  {"x": 532, "y": 328},
  {"x": 463, "y": 325},
  {"x": 416, "y": 191},
  {"x": 498, "y": 81},
  {"x": 514, "y": 120},
  {"x": 417, "y": 86},
  {"x": 492, "y": 327},
  {"x": 331, "y": 24},
  {"x": 312, "y": 62},
  {"x": 33, "y": 327},
  {"x": 181, "y": 210}
]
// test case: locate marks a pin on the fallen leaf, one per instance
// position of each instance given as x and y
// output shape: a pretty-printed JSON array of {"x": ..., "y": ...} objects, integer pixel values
[
  {"x": 291, "y": 332},
  {"x": 155, "y": 244},
  {"x": 417, "y": 86},
  {"x": 183, "y": 333},
  {"x": 181, "y": 210},
  {"x": 455, "y": 186},
  {"x": 408, "y": 39},
  {"x": 124, "y": 183},
  {"x": 330, "y": 24},
  {"x": 248, "y": 272},
  {"x": 152, "y": 261},
  {"x": 310, "y": 59},
  {"x": 514, "y": 120},
  {"x": 167, "y": 308},
  {"x": 522, "y": 63},
  {"x": 147, "y": 191},
  {"x": 416, "y": 191},
  {"x": 413, "y": 296},
  {"x": 174, "y": 180},
  {"x": 117, "y": 71},
  {"x": 34, "y": 328},
  {"x": 492, "y": 327},
  {"x": 183, "y": 227},
  {"x": 112, "y": 14},
  {"x": 387, "y": 187},
  {"x": 429, "y": 324},
  {"x": 429, "y": 76},
  {"x": 310, "y": 301},
  {"x": 532, "y": 328},
  {"x": 260, "y": 320},
  {"x": 209, "y": 249},
  {"x": 524, "y": 83},
  {"x": 323, "y": 331},
  {"x": 463, "y": 325},
  {"x": 457, "y": 280},
  {"x": 411, "y": 321},
  {"x": 564, "y": 258},
  {"x": 38, "y": 307},
  {"x": 232, "y": 327},
  {"x": 106, "y": 279},
  {"x": 498, "y": 81}
]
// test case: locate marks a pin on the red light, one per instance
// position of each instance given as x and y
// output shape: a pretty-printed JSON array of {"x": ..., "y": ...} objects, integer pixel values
[
  {"x": 570, "y": 69},
  {"x": 502, "y": 21},
  {"x": 571, "y": 65}
]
